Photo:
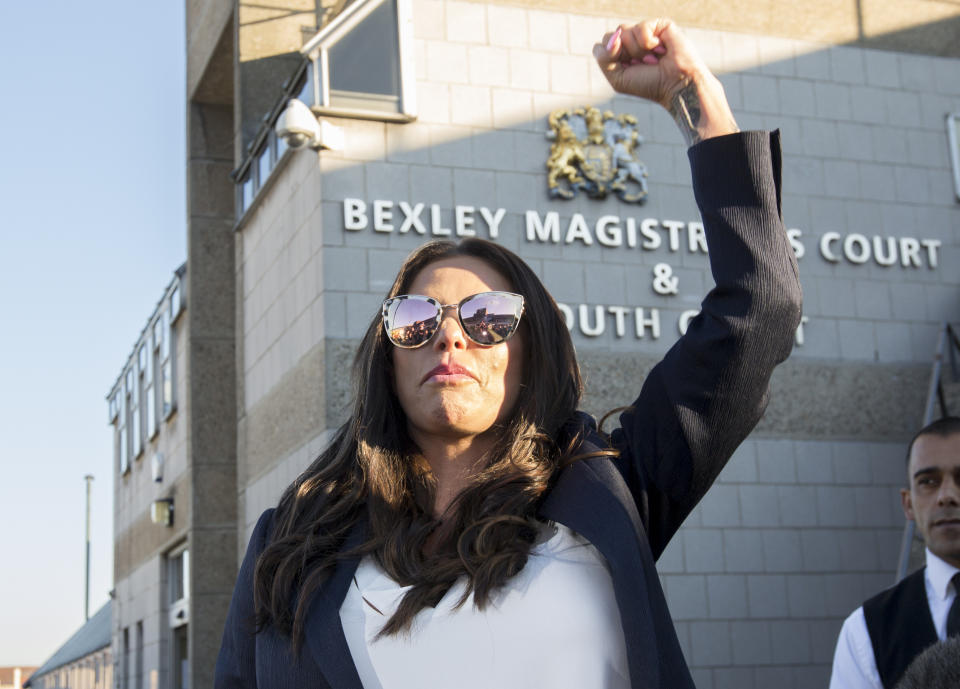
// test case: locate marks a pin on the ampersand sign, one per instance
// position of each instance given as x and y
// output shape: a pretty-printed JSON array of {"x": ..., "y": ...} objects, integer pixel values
[{"x": 664, "y": 281}]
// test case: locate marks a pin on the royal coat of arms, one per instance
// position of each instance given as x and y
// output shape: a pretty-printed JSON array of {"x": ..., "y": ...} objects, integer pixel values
[{"x": 597, "y": 153}]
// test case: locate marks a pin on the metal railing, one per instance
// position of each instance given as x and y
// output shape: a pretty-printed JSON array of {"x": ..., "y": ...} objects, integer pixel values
[{"x": 948, "y": 341}]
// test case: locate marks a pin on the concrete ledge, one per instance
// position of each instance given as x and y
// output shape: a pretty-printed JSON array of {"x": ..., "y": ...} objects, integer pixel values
[{"x": 809, "y": 399}]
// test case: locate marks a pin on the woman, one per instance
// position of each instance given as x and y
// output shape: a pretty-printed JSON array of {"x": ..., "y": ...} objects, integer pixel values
[{"x": 467, "y": 527}]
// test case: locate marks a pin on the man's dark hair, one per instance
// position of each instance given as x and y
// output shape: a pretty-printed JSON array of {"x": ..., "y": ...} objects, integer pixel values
[
  {"x": 948, "y": 425},
  {"x": 938, "y": 667}
]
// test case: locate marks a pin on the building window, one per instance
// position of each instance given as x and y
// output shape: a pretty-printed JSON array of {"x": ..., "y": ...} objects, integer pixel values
[
  {"x": 138, "y": 666},
  {"x": 266, "y": 154},
  {"x": 246, "y": 191},
  {"x": 179, "y": 576},
  {"x": 281, "y": 146},
  {"x": 125, "y": 670},
  {"x": 176, "y": 301},
  {"x": 114, "y": 407},
  {"x": 953, "y": 134},
  {"x": 125, "y": 424},
  {"x": 265, "y": 161},
  {"x": 123, "y": 461},
  {"x": 144, "y": 389},
  {"x": 167, "y": 391},
  {"x": 178, "y": 598},
  {"x": 159, "y": 336},
  {"x": 178, "y": 586},
  {"x": 181, "y": 659},
  {"x": 377, "y": 82},
  {"x": 148, "y": 357},
  {"x": 136, "y": 425}
]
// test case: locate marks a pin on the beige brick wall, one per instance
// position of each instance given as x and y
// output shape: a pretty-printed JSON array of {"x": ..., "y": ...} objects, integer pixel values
[{"x": 929, "y": 28}]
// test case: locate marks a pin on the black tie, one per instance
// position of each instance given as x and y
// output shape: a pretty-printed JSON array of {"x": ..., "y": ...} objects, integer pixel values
[{"x": 953, "y": 617}]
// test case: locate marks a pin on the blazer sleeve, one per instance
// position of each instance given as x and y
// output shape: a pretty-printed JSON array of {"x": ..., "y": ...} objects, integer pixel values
[
  {"x": 236, "y": 662},
  {"x": 699, "y": 403}
]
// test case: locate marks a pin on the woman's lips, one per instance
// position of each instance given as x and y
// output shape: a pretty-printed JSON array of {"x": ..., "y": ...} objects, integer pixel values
[{"x": 448, "y": 373}]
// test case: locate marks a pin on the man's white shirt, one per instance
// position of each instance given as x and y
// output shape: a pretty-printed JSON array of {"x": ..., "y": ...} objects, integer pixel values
[{"x": 854, "y": 666}]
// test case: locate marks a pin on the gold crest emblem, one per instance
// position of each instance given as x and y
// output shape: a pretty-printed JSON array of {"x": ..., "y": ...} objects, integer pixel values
[{"x": 595, "y": 152}]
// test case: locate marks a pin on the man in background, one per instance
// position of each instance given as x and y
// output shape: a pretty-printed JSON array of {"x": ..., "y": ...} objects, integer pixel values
[{"x": 881, "y": 638}]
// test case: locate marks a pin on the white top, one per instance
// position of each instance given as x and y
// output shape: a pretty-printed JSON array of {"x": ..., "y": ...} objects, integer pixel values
[
  {"x": 555, "y": 624},
  {"x": 854, "y": 666}
]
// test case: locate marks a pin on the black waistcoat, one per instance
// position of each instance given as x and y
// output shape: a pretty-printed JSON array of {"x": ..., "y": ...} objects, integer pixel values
[{"x": 900, "y": 627}]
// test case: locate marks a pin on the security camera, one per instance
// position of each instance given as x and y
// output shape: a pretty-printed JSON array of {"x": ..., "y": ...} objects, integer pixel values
[{"x": 299, "y": 127}]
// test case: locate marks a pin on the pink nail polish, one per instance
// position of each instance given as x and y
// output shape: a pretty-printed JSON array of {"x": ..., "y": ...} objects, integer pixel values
[
  {"x": 660, "y": 50},
  {"x": 613, "y": 39},
  {"x": 649, "y": 59}
]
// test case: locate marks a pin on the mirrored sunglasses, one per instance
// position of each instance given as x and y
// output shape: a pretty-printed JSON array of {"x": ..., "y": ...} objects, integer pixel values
[{"x": 488, "y": 318}]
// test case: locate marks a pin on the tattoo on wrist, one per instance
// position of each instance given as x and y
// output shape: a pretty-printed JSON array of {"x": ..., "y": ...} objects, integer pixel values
[
  {"x": 688, "y": 112},
  {"x": 685, "y": 110}
]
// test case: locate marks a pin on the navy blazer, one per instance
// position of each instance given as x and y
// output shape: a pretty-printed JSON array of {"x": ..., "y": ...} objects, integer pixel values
[{"x": 694, "y": 408}]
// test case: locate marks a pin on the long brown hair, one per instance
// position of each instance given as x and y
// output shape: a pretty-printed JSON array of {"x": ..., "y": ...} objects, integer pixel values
[{"x": 373, "y": 470}]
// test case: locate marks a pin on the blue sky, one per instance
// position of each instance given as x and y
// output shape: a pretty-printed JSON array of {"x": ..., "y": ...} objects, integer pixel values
[{"x": 92, "y": 225}]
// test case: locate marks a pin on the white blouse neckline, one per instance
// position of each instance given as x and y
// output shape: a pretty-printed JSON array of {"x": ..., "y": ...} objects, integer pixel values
[{"x": 556, "y": 623}]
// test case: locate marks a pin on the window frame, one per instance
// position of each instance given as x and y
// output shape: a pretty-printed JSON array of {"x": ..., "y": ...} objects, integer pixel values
[
  {"x": 148, "y": 377},
  {"x": 113, "y": 406},
  {"x": 178, "y": 610},
  {"x": 317, "y": 50},
  {"x": 125, "y": 425},
  {"x": 136, "y": 427},
  {"x": 953, "y": 135},
  {"x": 267, "y": 151},
  {"x": 125, "y": 660},
  {"x": 138, "y": 657},
  {"x": 168, "y": 368},
  {"x": 142, "y": 382},
  {"x": 177, "y": 300}
]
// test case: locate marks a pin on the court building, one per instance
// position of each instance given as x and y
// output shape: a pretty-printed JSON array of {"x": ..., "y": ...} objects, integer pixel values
[{"x": 451, "y": 121}]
